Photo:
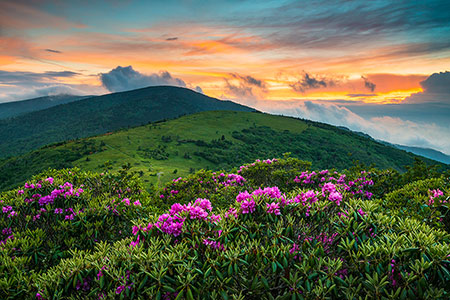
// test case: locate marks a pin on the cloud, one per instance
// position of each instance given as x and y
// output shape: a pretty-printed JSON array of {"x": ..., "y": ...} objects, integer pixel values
[
  {"x": 198, "y": 89},
  {"x": 308, "y": 82},
  {"x": 436, "y": 89},
  {"x": 126, "y": 78},
  {"x": 437, "y": 83},
  {"x": 18, "y": 77},
  {"x": 361, "y": 95},
  {"x": 52, "y": 51},
  {"x": 17, "y": 85},
  {"x": 244, "y": 87},
  {"x": 388, "y": 128},
  {"x": 31, "y": 15},
  {"x": 369, "y": 85},
  {"x": 172, "y": 39}
]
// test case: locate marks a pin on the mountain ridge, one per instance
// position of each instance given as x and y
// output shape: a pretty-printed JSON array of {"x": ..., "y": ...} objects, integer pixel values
[{"x": 101, "y": 114}]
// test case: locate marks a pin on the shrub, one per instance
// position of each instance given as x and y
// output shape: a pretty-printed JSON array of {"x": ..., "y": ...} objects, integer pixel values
[{"x": 309, "y": 244}]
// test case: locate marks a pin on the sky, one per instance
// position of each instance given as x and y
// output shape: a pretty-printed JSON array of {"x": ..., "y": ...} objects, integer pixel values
[{"x": 381, "y": 67}]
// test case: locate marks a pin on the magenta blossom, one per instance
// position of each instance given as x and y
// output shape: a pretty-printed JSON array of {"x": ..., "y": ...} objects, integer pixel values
[{"x": 273, "y": 208}]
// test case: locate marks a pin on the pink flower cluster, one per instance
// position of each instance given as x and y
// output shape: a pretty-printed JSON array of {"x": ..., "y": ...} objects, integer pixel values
[
  {"x": 355, "y": 187},
  {"x": 273, "y": 208},
  {"x": 172, "y": 222},
  {"x": 248, "y": 204},
  {"x": 214, "y": 244},
  {"x": 333, "y": 195},
  {"x": 435, "y": 194},
  {"x": 267, "y": 161},
  {"x": 9, "y": 210}
]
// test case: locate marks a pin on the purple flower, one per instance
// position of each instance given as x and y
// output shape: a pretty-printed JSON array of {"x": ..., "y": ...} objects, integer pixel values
[
  {"x": 6, "y": 209},
  {"x": 273, "y": 208},
  {"x": 120, "y": 289},
  {"x": 248, "y": 206},
  {"x": 335, "y": 197}
]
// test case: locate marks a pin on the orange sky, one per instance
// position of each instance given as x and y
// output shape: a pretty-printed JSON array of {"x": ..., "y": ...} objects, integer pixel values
[{"x": 279, "y": 45}]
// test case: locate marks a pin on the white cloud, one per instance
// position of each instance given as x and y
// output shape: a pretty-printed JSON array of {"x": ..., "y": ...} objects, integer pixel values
[{"x": 387, "y": 128}]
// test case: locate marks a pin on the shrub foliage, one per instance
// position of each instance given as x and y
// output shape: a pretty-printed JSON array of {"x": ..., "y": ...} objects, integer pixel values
[{"x": 272, "y": 229}]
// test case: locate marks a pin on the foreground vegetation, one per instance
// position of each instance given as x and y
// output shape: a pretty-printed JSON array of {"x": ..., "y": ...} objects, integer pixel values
[
  {"x": 209, "y": 140},
  {"x": 272, "y": 229}
]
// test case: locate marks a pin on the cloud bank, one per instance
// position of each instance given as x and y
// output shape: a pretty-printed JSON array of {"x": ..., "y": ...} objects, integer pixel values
[
  {"x": 388, "y": 128},
  {"x": 436, "y": 89},
  {"x": 126, "y": 78}
]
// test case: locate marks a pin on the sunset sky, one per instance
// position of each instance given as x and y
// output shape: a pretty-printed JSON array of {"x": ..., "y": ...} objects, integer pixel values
[{"x": 373, "y": 66}]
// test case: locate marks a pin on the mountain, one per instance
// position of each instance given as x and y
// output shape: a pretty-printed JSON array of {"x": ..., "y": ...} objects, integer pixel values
[
  {"x": 216, "y": 140},
  {"x": 102, "y": 114},
  {"x": 16, "y": 108},
  {"x": 427, "y": 152}
]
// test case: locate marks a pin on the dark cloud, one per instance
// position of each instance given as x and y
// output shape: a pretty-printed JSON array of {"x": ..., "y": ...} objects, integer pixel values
[
  {"x": 369, "y": 85},
  {"x": 356, "y": 25},
  {"x": 437, "y": 83},
  {"x": 198, "y": 89},
  {"x": 172, "y": 39},
  {"x": 15, "y": 77},
  {"x": 244, "y": 86},
  {"x": 126, "y": 78},
  {"x": 436, "y": 89},
  {"x": 250, "y": 80},
  {"x": 360, "y": 95},
  {"x": 53, "y": 51},
  {"x": 308, "y": 82}
]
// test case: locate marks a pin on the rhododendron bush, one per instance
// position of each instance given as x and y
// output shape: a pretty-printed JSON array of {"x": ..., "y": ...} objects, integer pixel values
[{"x": 240, "y": 235}]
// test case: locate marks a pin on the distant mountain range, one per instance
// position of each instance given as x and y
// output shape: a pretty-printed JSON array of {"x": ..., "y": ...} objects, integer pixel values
[
  {"x": 425, "y": 152},
  {"x": 98, "y": 115},
  {"x": 16, "y": 108}
]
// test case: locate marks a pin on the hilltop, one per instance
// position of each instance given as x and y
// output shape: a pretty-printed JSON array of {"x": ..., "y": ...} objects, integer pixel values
[
  {"x": 214, "y": 140},
  {"x": 102, "y": 114},
  {"x": 16, "y": 108}
]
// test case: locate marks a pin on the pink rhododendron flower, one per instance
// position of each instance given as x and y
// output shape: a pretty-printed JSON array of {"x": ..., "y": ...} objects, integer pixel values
[
  {"x": 243, "y": 196},
  {"x": 248, "y": 206},
  {"x": 273, "y": 208},
  {"x": 335, "y": 197},
  {"x": 126, "y": 201}
]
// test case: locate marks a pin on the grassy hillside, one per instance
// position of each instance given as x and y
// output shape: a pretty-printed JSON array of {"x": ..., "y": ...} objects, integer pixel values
[
  {"x": 214, "y": 140},
  {"x": 102, "y": 114},
  {"x": 16, "y": 108}
]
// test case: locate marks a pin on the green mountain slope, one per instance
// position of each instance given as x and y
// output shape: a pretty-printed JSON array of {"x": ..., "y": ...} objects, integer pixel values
[
  {"x": 16, "y": 108},
  {"x": 102, "y": 114},
  {"x": 215, "y": 140}
]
